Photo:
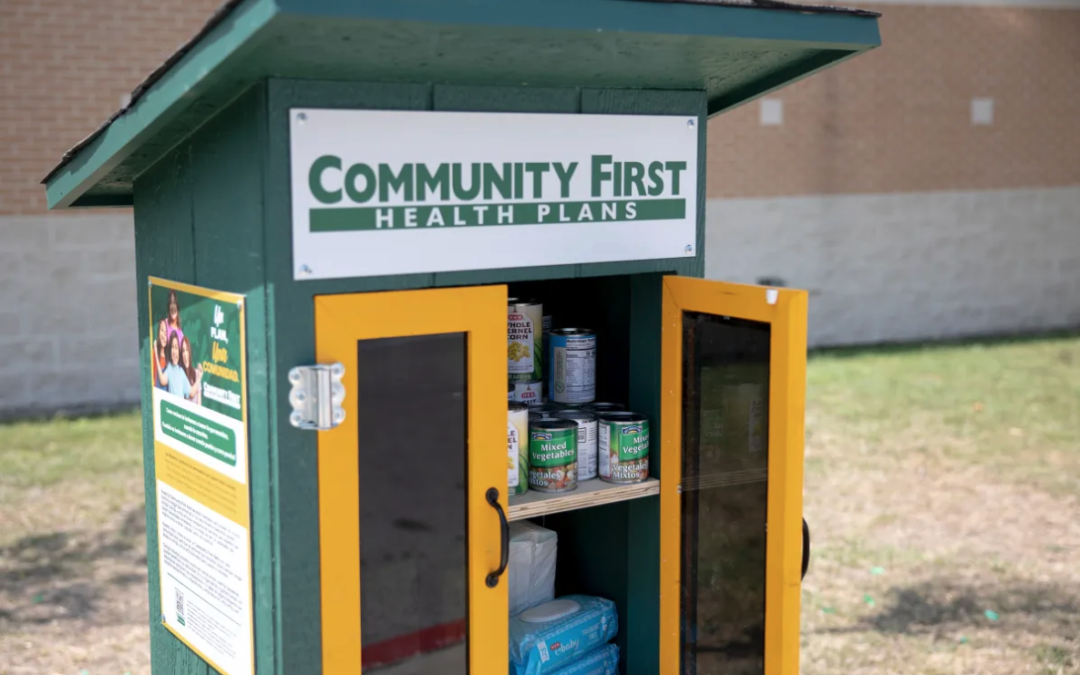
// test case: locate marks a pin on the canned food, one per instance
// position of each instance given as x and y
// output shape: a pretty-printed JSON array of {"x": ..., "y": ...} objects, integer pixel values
[
  {"x": 547, "y": 322},
  {"x": 599, "y": 407},
  {"x": 572, "y": 371},
  {"x": 586, "y": 440},
  {"x": 553, "y": 455},
  {"x": 517, "y": 448},
  {"x": 527, "y": 392},
  {"x": 524, "y": 340},
  {"x": 510, "y": 393},
  {"x": 624, "y": 447},
  {"x": 548, "y": 409}
]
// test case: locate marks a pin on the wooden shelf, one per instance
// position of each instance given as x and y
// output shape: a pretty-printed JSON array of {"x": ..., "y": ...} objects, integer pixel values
[{"x": 588, "y": 493}]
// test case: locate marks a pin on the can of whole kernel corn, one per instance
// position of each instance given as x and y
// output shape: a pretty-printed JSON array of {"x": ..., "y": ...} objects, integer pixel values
[
  {"x": 517, "y": 448},
  {"x": 624, "y": 447},
  {"x": 527, "y": 392},
  {"x": 524, "y": 340},
  {"x": 553, "y": 455}
]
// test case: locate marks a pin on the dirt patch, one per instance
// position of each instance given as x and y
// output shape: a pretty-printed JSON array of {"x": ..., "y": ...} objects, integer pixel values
[{"x": 74, "y": 598}]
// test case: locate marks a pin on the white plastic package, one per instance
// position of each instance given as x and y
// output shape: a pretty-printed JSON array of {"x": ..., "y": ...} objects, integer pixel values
[{"x": 530, "y": 573}]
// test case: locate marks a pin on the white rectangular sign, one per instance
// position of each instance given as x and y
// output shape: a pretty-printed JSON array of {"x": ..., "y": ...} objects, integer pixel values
[{"x": 400, "y": 192}]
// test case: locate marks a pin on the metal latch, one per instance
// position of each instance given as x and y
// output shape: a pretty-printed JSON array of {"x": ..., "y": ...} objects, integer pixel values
[{"x": 316, "y": 396}]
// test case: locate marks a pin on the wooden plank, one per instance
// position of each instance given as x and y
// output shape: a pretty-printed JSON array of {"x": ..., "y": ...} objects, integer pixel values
[
  {"x": 227, "y": 198},
  {"x": 164, "y": 247},
  {"x": 596, "y": 492}
]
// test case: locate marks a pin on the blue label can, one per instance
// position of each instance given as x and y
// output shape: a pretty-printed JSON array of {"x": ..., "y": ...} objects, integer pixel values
[{"x": 572, "y": 365}]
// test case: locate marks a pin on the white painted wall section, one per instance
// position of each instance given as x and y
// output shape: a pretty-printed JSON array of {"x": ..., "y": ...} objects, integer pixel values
[
  {"x": 67, "y": 313},
  {"x": 894, "y": 267}
]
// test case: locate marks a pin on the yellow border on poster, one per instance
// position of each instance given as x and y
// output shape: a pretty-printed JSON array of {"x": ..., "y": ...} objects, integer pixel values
[
  {"x": 341, "y": 321},
  {"x": 787, "y": 396},
  {"x": 240, "y": 302}
]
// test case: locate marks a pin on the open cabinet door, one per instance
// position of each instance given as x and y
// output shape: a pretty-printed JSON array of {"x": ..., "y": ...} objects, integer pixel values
[
  {"x": 733, "y": 383},
  {"x": 411, "y": 532}
]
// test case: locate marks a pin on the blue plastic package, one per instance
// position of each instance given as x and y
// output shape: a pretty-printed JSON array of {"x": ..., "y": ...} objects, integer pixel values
[
  {"x": 541, "y": 648},
  {"x": 602, "y": 661}
]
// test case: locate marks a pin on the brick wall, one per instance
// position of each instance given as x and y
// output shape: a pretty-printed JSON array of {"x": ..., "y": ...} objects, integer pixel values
[
  {"x": 898, "y": 119},
  {"x": 67, "y": 278},
  {"x": 65, "y": 67}
]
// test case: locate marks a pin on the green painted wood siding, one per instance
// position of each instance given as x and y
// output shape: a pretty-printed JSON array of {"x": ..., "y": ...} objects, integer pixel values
[{"x": 215, "y": 212}]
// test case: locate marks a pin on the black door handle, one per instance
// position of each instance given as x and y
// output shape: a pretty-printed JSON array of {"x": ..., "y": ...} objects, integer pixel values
[
  {"x": 805, "y": 548},
  {"x": 493, "y": 499}
]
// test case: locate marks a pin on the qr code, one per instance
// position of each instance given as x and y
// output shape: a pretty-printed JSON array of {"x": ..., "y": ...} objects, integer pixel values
[{"x": 180, "y": 606}]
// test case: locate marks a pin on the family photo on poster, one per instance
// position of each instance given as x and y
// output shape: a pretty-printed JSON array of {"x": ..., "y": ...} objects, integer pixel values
[
  {"x": 173, "y": 367},
  {"x": 195, "y": 348}
]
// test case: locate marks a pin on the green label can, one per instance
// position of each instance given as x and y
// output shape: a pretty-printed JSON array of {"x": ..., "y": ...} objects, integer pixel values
[
  {"x": 624, "y": 447},
  {"x": 524, "y": 340},
  {"x": 517, "y": 448},
  {"x": 553, "y": 455}
]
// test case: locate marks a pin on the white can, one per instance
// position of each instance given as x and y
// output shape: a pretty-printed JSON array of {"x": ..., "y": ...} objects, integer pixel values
[
  {"x": 572, "y": 371},
  {"x": 517, "y": 448},
  {"x": 586, "y": 439},
  {"x": 528, "y": 392}
]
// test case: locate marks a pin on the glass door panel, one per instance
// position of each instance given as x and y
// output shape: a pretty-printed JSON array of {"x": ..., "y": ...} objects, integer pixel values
[
  {"x": 734, "y": 381},
  {"x": 407, "y": 538},
  {"x": 413, "y": 553}
]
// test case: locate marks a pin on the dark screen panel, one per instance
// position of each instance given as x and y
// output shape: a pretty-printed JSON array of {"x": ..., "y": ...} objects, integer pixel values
[
  {"x": 724, "y": 495},
  {"x": 413, "y": 513}
]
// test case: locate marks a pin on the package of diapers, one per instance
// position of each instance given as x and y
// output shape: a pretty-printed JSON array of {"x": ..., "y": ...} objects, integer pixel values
[
  {"x": 554, "y": 634},
  {"x": 603, "y": 661}
]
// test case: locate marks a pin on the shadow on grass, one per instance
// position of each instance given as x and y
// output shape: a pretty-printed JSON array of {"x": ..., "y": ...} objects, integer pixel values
[
  {"x": 1047, "y": 609},
  {"x": 51, "y": 577},
  {"x": 884, "y": 348}
]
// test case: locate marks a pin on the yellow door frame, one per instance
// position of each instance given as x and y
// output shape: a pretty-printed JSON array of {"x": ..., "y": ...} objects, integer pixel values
[
  {"x": 785, "y": 311},
  {"x": 341, "y": 321}
]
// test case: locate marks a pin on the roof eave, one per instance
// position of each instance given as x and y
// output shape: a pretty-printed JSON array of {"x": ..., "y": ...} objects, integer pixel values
[{"x": 241, "y": 27}]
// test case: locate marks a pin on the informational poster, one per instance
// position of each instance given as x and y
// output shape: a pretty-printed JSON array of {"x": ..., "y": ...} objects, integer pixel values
[
  {"x": 377, "y": 192},
  {"x": 201, "y": 466}
]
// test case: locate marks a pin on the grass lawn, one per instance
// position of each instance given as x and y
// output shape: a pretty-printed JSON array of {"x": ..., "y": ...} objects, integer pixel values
[{"x": 942, "y": 487}]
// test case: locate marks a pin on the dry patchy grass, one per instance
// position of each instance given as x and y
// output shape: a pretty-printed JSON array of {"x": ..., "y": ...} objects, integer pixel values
[
  {"x": 942, "y": 487},
  {"x": 73, "y": 594}
]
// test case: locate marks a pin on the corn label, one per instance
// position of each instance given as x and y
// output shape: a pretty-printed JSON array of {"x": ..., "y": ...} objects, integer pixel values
[{"x": 524, "y": 341}]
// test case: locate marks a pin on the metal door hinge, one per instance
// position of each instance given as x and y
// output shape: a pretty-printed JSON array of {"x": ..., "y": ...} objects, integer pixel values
[{"x": 316, "y": 396}]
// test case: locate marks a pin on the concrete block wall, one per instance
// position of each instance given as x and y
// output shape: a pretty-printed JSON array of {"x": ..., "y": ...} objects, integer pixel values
[
  {"x": 68, "y": 335},
  {"x": 909, "y": 266}
]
